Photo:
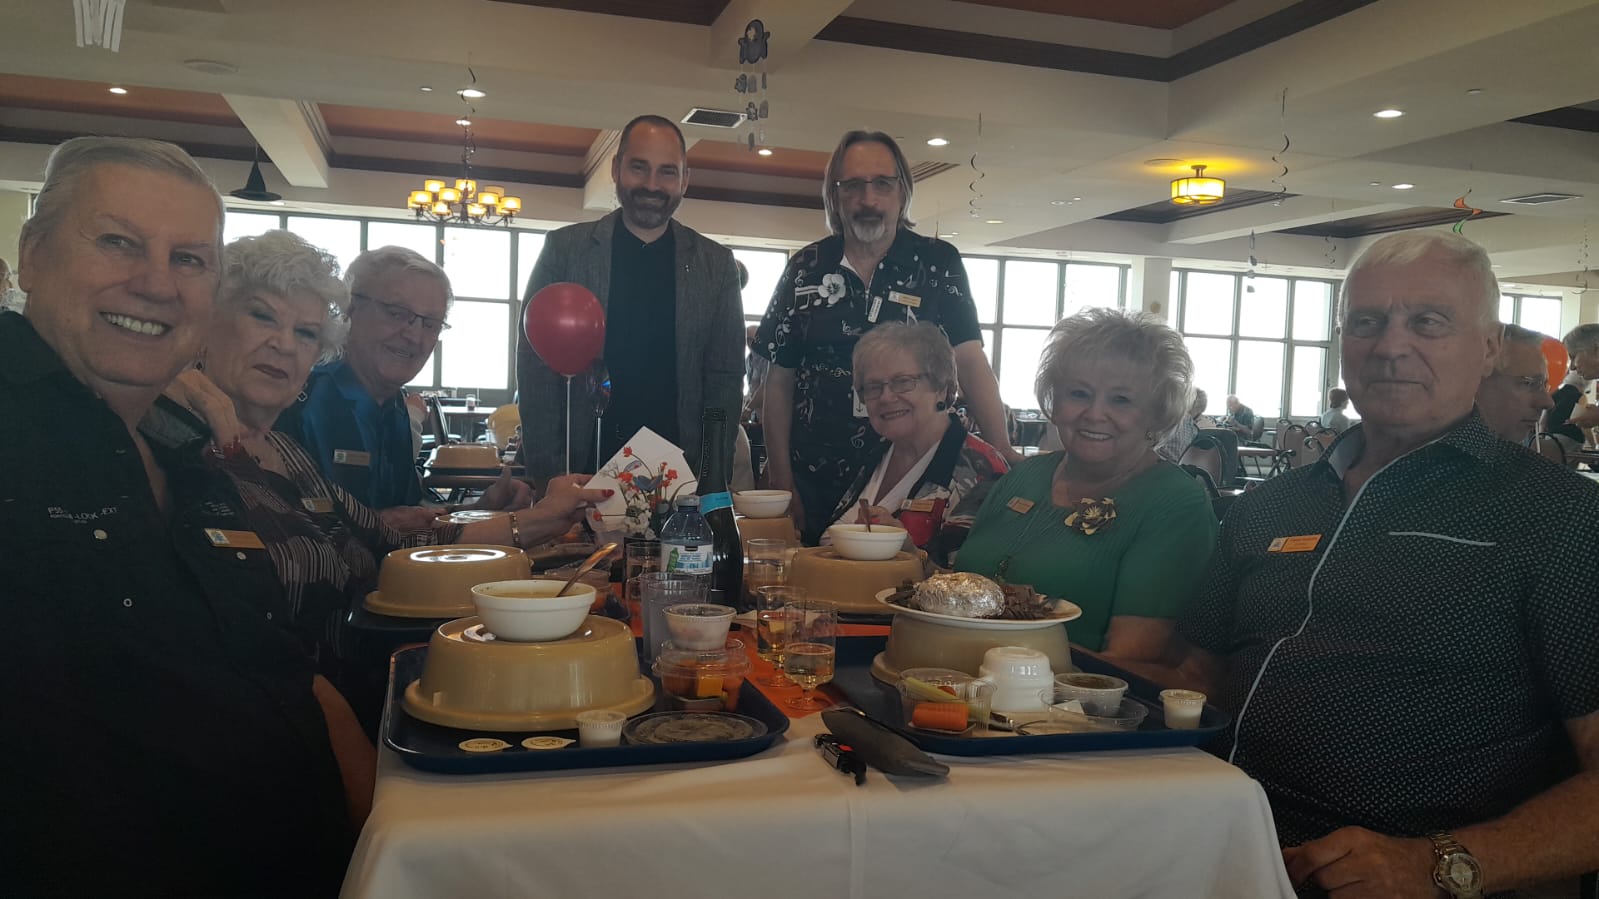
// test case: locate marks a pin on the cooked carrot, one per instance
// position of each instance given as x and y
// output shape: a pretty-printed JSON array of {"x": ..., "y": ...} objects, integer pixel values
[{"x": 950, "y": 716}]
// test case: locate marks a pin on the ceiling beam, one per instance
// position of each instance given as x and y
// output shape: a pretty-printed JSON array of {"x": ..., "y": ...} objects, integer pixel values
[
  {"x": 291, "y": 132},
  {"x": 599, "y": 188},
  {"x": 791, "y": 23}
]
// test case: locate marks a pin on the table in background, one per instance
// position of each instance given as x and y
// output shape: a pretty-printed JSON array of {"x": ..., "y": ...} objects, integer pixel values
[
  {"x": 474, "y": 420},
  {"x": 1154, "y": 823}
]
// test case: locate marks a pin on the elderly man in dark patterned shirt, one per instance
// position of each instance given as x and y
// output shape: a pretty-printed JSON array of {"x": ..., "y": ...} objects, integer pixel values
[
  {"x": 1406, "y": 632},
  {"x": 872, "y": 269}
]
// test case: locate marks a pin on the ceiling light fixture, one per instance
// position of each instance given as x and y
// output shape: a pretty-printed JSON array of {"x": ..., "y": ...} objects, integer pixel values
[
  {"x": 1388, "y": 113},
  {"x": 994, "y": 222},
  {"x": 1375, "y": 183},
  {"x": 119, "y": 91},
  {"x": 1403, "y": 186},
  {"x": 937, "y": 142},
  {"x": 1198, "y": 190},
  {"x": 425, "y": 89},
  {"x": 1474, "y": 91},
  {"x": 764, "y": 151},
  {"x": 464, "y": 122},
  {"x": 471, "y": 93}
]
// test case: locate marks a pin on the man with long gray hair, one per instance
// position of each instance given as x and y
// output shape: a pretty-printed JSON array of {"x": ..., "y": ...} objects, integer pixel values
[{"x": 871, "y": 270}]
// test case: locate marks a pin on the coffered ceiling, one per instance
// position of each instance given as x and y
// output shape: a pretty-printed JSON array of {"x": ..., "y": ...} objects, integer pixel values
[{"x": 1065, "y": 119}]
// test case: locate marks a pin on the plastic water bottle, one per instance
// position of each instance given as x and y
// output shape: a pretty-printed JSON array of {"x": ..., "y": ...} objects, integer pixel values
[{"x": 686, "y": 541}]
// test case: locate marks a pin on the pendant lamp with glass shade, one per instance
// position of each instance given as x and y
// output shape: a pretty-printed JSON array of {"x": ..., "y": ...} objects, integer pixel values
[{"x": 1198, "y": 189}]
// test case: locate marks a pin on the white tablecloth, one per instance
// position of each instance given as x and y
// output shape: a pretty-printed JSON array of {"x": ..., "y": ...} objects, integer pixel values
[{"x": 1157, "y": 823}]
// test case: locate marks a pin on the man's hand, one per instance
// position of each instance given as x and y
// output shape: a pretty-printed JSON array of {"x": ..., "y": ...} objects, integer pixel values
[
  {"x": 194, "y": 391},
  {"x": 506, "y": 493},
  {"x": 1355, "y": 863}
]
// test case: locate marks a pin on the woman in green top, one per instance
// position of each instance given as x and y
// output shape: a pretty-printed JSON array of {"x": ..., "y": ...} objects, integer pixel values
[{"x": 1106, "y": 523}]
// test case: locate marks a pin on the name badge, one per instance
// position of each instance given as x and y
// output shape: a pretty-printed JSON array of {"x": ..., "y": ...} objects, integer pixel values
[
  {"x": 1302, "y": 544},
  {"x": 877, "y": 307},
  {"x": 234, "y": 539},
  {"x": 905, "y": 299},
  {"x": 918, "y": 505},
  {"x": 317, "y": 505},
  {"x": 1019, "y": 505},
  {"x": 351, "y": 457}
]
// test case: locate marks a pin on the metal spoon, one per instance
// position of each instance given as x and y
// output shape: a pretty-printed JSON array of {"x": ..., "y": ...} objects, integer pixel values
[{"x": 587, "y": 566}]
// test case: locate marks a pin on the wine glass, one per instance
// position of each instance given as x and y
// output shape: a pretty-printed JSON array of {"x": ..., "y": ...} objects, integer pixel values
[
  {"x": 773, "y": 627},
  {"x": 809, "y": 654}
]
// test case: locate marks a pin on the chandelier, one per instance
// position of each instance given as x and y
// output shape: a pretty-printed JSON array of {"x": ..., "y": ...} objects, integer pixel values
[
  {"x": 1198, "y": 190},
  {"x": 465, "y": 203}
]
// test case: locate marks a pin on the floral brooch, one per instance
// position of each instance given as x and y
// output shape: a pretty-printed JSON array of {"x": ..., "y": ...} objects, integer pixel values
[
  {"x": 1092, "y": 515},
  {"x": 832, "y": 289}
]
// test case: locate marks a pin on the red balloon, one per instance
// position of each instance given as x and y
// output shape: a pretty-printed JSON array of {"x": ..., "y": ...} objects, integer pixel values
[
  {"x": 1554, "y": 352},
  {"x": 566, "y": 326}
]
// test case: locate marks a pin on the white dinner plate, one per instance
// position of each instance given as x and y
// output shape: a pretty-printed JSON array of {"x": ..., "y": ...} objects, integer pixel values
[{"x": 1063, "y": 611}]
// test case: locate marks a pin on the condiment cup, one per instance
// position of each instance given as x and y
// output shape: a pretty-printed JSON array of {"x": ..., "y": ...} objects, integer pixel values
[
  {"x": 1100, "y": 694},
  {"x": 600, "y": 727},
  {"x": 698, "y": 625},
  {"x": 1183, "y": 708}
]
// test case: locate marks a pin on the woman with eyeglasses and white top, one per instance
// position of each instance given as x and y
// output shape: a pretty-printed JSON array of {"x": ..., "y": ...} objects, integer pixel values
[{"x": 926, "y": 474}]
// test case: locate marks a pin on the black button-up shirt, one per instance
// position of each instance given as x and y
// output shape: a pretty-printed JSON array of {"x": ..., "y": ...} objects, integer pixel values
[
  {"x": 159, "y": 730},
  {"x": 1420, "y": 661},
  {"x": 821, "y": 307},
  {"x": 641, "y": 339}
]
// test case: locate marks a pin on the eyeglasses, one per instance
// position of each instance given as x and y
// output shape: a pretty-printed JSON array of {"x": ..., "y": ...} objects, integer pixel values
[
  {"x": 882, "y": 186},
  {"x": 403, "y": 317},
  {"x": 871, "y": 390}
]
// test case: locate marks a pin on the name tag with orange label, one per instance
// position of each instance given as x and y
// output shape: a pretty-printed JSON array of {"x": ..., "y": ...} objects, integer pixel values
[
  {"x": 1019, "y": 506},
  {"x": 234, "y": 539},
  {"x": 1302, "y": 544},
  {"x": 905, "y": 299},
  {"x": 351, "y": 457},
  {"x": 918, "y": 505},
  {"x": 317, "y": 505}
]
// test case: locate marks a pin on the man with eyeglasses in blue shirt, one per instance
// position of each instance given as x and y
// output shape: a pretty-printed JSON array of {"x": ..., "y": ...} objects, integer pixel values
[
  {"x": 352, "y": 415},
  {"x": 872, "y": 269}
]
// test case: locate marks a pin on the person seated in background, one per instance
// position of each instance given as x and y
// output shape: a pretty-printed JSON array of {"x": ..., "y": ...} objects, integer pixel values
[
  {"x": 1335, "y": 419},
  {"x": 352, "y": 415},
  {"x": 281, "y": 309},
  {"x": 163, "y": 736},
  {"x": 1572, "y": 414},
  {"x": 1105, "y": 523},
  {"x": 1404, "y": 631},
  {"x": 926, "y": 473},
  {"x": 1514, "y": 397},
  {"x": 1240, "y": 419},
  {"x": 1177, "y": 442},
  {"x": 11, "y": 299}
]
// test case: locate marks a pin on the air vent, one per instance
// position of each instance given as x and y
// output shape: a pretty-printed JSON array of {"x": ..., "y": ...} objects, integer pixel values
[
  {"x": 1539, "y": 199},
  {"x": 713, "y": 118},
  {"x": 921, "y": 171}
]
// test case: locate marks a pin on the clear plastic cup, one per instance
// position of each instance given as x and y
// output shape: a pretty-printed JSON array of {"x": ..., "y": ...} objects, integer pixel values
[
  {"x": 657, "y": 590},
  {"x": 600, "y": 727},
  {"x": 1100, "y": 694},
  {"x": 945, "y": 686},
  {"x": 1183, "y": 708}
]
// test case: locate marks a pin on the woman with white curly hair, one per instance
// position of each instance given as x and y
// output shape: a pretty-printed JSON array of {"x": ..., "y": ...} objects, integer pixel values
[{"x": 1106, "y": 523}]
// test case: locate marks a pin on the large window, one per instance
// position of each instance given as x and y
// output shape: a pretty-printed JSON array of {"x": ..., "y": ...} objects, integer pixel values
[
  {"x": 1535, "y": 313},
  {"x": 1019, "y": 300},
  {"x": 1267, "y": 340}
]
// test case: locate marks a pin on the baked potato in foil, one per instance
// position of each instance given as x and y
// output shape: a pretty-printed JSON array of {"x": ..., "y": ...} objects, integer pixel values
[{"x": 962, "y": 594}]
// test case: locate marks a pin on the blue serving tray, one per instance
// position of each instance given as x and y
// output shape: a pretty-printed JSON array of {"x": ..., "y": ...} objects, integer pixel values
[
  {"x": 430, "y": 747},
  {"x": 854, "y": 679}
]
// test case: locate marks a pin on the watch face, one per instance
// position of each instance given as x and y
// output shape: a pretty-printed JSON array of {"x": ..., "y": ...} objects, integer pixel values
[{"x": 1461, "y": 873}]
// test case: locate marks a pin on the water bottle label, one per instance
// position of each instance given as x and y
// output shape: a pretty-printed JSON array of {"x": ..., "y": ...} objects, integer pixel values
[
  {"x": 686, "y": 559},
  {"x": 711, "y": 502}
]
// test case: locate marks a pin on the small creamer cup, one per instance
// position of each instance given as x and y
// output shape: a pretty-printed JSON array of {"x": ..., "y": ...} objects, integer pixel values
[
  {"x": 600, "y": 727},
  {"x": 1183, "y": 708}
]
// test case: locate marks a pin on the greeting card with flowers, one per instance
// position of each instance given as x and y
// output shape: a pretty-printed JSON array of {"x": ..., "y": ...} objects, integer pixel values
[{"x": 648, "y": 469}]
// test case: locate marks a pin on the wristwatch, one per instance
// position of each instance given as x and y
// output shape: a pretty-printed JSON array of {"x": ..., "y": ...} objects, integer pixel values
[{"x": 1455, "y": 871}]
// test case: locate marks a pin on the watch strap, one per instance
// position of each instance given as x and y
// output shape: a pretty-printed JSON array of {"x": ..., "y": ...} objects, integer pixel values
[{"x": 1444, "y": 845}]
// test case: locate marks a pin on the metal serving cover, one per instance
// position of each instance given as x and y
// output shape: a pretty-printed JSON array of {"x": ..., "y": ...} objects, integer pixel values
[{"x": 961, "y": 594}]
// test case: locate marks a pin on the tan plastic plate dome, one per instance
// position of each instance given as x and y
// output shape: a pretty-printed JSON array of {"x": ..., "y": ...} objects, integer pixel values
[
  {"x": 852, "y": 585},
  {"x": 437, "y": 581}
]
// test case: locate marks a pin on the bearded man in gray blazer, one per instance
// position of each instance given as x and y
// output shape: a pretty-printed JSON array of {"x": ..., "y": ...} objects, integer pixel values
[{"x": 674, "y": 322}]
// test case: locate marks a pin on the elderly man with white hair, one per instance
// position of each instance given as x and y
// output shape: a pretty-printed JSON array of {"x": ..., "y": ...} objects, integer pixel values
[
  {"x": 352, "y": 415},
  {"x": 1405, "y": 632},
  {"x": 1514, "y": 397}
]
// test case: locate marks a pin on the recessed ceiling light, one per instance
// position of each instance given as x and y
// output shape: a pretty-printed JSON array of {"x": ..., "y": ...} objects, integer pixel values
[
  {"x": 937, "y": 142},
  {"x": 764, "y": 151},
  {"x": 1475, "y": 91},
  {"x": 1075, "y": 199},
  {"x": 953, "y": 233},
  {"x": 1162, "y": 161},
  {"x": 994, "y": 222},
  {"x": 1058, "y": 202},
  {"x": 211, "y": 66},
  {"x": 1375, "y": 183},
  {"x": 1403, "y": 186},
  {"x": 425, "y": 89},
  {"x": 117, "y": 90},
  {"x": 464, "y": 122},
  {"x": 1389, "y": 113},
  {"x": 471, "y": 93}
]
